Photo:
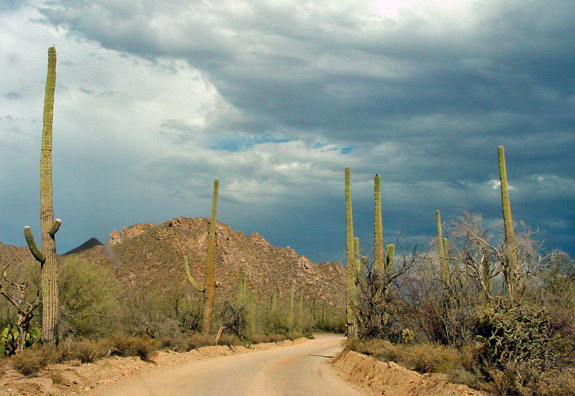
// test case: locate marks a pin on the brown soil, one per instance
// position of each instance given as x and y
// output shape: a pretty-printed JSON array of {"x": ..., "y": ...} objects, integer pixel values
[
  {"x": 390, "y": 378},
  {"x": 74, "y": 378}
]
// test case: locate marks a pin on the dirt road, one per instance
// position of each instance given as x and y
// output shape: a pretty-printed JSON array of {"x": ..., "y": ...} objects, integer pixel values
[{"x": 301, "y": 369}]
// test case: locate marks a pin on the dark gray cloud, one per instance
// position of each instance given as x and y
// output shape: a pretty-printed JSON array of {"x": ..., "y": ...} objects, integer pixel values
[{"x": 294, "y": 91}]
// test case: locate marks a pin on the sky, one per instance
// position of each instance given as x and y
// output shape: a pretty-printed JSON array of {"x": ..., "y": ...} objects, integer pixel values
[{"x": 156, "y": 99}]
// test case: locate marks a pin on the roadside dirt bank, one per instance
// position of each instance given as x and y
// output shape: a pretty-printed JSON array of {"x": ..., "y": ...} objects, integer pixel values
[
  {"x": 391, "y": 379},
  {"x": 74, "y": 378}
]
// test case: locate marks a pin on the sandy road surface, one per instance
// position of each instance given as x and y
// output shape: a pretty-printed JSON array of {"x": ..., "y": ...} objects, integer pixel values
[{"x": 301, "y": 369}]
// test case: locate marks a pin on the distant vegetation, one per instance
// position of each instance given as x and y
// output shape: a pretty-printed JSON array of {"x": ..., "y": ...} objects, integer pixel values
[{"x": 486, "y": 306}]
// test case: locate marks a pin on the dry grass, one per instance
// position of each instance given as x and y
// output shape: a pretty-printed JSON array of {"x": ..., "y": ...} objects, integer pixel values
[
  {"x": 143, "y": 347},
  {"x": 560, "y": 383},
  {"x": 32, "y": 360},
  {"x": 88, "y": 351},
  {"x": 423, "y": 358}
]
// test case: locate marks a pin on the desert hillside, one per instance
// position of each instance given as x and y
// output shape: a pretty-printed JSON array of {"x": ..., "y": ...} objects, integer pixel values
[{"x": 151, "y": 256}]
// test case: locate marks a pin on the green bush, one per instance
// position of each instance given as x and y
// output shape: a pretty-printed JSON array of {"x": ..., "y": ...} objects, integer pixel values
[
  {"x": 277, "y": 323},
  {"x": 89, "y": 305}
]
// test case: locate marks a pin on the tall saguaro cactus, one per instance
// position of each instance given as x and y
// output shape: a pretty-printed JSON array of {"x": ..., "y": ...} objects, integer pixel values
[
  {"x": 442, "y": 249},
  {"x": 351, "y": 267},
  {"x": 511, "y": 267},
  {"x": 47, "y": 254},
  {"x": 378, "y": 249},
  {"x": 209, "y": 288}
]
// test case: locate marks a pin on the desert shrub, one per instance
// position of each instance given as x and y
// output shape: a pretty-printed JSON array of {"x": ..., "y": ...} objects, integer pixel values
[
  {"x": 234, "y": 319},
  {"x": 160, "y": 313},
  {"x": 189, "y": 314},
  {"x": 424, "y": 358},
  {"x": 465, "y": 377},
  {"x": 142, "y": 346},
  {"x": 380, "y": 349},
  {"x": 429, "y": 358},
  {"x": 557, "y": 383},
  {"x": 196, "y": 341},
  {"x": 88, "y": 299},
  {"x": 185, "y": 343},
  {"x": 32, "y": 360},
  {"x": 511, "y": 334},
  {"x": 277, "y": 323},
  {"x": 88, "y": 351},
  {"x": 178, "y": 344},
  {"x": 264, "y": 338},
  {"x": 230, "y": 340}
]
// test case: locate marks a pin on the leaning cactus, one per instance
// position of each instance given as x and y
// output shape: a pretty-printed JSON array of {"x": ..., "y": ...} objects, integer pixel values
[
  {"x": 511, "y": 268},
  {"x": 209, "y": 287},
  {"x": 46, "y": 256}
]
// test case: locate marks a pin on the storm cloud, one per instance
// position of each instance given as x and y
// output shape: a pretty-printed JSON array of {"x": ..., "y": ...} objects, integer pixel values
[{"x": 155, "y": 99}]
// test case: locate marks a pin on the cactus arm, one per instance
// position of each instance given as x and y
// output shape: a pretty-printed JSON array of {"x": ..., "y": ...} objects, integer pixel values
[
  {"x": 38, "y": 255},
  {"x": 55, "y": 227},
  {"x": 389, "y": 260},
  {"x": 357, "y": 259},
  {"x": 191, "y": 279}
]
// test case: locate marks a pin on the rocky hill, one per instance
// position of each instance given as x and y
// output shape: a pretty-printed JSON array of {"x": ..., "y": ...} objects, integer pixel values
[
  {"x": 151, "y": 256},
  {"x": 90, "y": 243},
  {"x": 13, "y": 255}
]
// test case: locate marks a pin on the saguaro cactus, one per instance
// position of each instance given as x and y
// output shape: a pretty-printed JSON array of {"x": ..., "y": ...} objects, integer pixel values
[
  {"x": 351, "y": 267},
  {"x": 442, "y": 249},
  {"x": 511, "y": 266},
  {"x": 46, "y": 256},
  {"x": 378, "y": 249},
  {"x": 209, "y": 288}
]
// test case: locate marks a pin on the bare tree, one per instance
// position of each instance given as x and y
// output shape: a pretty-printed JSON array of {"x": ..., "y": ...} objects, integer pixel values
[
  {"x": 24, "y": 308},
  {"x": 484, "y": 256},
  {"x": 378, "y": 300}
]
